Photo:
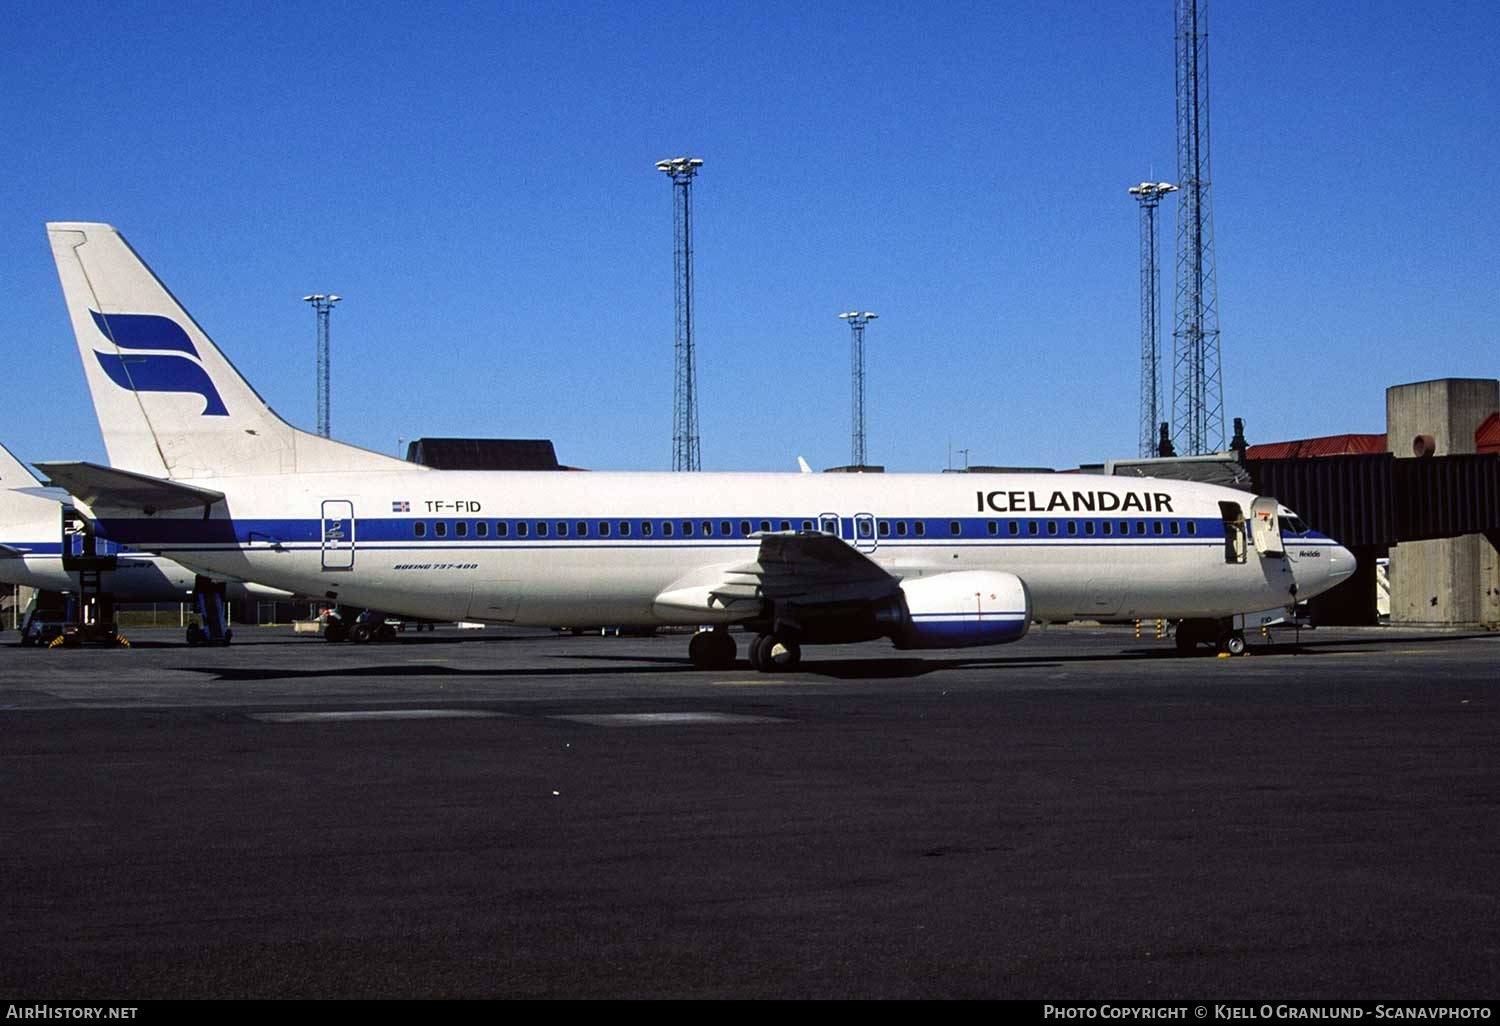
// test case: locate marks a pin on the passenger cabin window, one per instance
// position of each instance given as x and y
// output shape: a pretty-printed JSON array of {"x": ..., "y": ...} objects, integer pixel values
[
  {"x": 994, "y": 528},
  {"x": 666, "y": 528},
  {"x": 502, "y": 529},
  {"x": 1015, "y": 527},
  {"x": 726, "y": 528},
  {"x": 604, "y": 528},
  {"x": 864, "y": 528},
  {"x": 419, "y": 529},
  {"x": 1072, "y": 527},
  {"x": 901, "y": 528},
  {"x": 541, "y": 528},
  {"x": 920, "y": 527},
  {"x": 745, "y": 528},
  {"x": 1052, "y": 527},
  {"x": 522, "y": 529},
  {"x": 885, "y": 529},
  {"x": 954, "y": 529},
  {"x": 440, "y": 529},
  {"x": 645, "y": 528},
  {"x": 624, "y": 528},
  {"x": 583, "y": 528},
  {"x": 830, "y": 526},
  {"x": 482, "y": 528},
  {"x": 807, "y": 525},
  {"x": 562, "y": 528},
  {"x": 461, "y": 528}
]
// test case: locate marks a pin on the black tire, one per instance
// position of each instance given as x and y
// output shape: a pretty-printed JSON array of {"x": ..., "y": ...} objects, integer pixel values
[
  {"x": 757, "y": 653},
  {"x": 360, "y": 633},
  {"x": 782, "y": 653}
]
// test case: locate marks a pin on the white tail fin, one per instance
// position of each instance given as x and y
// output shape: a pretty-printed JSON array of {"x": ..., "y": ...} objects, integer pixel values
[
  {"x": 169, "y": 403},
  {"x": 29, "y": 506}
]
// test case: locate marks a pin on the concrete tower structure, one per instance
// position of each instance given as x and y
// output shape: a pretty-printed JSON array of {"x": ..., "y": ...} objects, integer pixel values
[{"x": 1449, "y": 582}]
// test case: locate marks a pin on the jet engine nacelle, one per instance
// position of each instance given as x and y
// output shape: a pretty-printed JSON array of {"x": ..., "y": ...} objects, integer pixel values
[{"x": 959, "y": 610}]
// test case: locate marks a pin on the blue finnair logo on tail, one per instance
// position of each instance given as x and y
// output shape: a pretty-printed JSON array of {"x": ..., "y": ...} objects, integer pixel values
[{"x": 158, "y": 371}]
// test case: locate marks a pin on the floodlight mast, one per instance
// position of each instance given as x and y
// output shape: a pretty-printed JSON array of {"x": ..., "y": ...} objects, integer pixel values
[
  {"x": 1149, "y": 195},
  {"x": 685, "y": 451},
  {"x": 323, "y": 305},
  {"x": 857, "y": 322}
]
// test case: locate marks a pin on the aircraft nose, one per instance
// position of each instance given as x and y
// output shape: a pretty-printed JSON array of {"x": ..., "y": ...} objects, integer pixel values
[{"x": 1341, "y": 563}]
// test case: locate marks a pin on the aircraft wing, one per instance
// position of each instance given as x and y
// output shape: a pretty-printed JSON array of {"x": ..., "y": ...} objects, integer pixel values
[
  {"x": 121, "y": 489},
  {"x": 807, "y": 567}
]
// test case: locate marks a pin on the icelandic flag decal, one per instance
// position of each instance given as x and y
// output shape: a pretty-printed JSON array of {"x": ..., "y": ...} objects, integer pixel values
[{"x": 400, "y": 507}]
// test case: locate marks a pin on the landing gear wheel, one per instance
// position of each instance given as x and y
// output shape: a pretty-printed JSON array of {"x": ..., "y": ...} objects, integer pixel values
[
  {"x": 712, "y": 650},
  {"x": 757, "y": 653},
  {"x": 360, "y": 633},
  {"x": 783, "y": 654},
  {"x": 772, "y": 652},
  {"x": 1232, "y": 643},
  {"x": 701, "y": 651}
]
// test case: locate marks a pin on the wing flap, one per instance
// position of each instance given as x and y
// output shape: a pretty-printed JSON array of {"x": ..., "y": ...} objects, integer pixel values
[{"x": 807, "y": 567}]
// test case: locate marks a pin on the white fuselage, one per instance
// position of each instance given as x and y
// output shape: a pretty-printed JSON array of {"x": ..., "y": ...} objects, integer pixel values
[{"x": 559, "y": 548}]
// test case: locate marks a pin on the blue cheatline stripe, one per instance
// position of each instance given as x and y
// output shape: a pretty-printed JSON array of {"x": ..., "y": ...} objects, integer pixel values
[{"x": 630, "y": 532}]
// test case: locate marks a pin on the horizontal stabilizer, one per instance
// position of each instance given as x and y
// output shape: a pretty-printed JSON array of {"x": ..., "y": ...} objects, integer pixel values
[
  {"x": 108, "y": 487},
  {"x": 11, "y": 552}
]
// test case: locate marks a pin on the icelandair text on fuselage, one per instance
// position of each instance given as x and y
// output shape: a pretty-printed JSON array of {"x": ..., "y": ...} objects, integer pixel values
[
  {"x": 1267, "y": 1012},
  {"x": 1074, "y": 502},
  {"x": 67, "y": 1012}
]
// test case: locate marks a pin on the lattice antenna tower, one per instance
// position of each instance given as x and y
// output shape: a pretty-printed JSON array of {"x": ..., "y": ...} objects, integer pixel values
[
  {"x": 1153, "y": 403},
  {"x": 685, "y": 456},
  {"x": 857, "y": 322},
  {"x": 323, "y": 306},
  {"x": 1197, "y": 385}
]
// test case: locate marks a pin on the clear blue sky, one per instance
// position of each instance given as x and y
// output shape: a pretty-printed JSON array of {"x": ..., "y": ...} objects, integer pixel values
[{"x": 478, "y": 181}]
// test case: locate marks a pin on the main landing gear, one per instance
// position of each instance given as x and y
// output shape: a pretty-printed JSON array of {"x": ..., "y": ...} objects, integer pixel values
[
  {"x": 769, "y": 653},
  {"x": 712, "y": 649}
]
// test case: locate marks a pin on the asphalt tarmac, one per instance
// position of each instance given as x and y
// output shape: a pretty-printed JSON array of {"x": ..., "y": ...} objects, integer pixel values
[{"x": 515, "y": 814}]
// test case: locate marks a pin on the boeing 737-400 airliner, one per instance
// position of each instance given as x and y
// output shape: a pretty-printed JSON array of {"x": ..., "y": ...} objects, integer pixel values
[{"x": 203, "y": 471}]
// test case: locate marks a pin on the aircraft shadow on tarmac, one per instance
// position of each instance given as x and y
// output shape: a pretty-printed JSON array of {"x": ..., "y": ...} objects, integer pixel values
[{"x": 895, "y": 667}]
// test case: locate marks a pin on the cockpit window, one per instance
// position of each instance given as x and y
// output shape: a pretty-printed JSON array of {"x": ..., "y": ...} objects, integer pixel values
[{"x": 1292, "y": 524}]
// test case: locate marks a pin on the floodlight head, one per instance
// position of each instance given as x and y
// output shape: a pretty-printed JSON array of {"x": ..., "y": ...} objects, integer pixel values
[
  {"x": 313, "y": 298},
  {"x": 334, "y": 299}
]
